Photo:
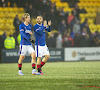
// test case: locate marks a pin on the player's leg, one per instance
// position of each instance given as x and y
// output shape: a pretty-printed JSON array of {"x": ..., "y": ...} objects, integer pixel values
[
  {"x": 21, "y": 58},
  {"x": 44, "y": 60},
  {"x": 23, "y": 50},
  {"x": 39, "y": 64},
  {"x": 39, "y": 53},
  {"x": 47, "y": 56},
  {"x": 33, "y": 59}
]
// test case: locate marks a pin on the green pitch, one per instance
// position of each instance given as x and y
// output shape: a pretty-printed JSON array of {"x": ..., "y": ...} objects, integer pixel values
[{"x": 57, "y": 76}]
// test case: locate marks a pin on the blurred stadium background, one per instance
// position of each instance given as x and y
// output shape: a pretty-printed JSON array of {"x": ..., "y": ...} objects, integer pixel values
[
  {"x": 75, "y": 36},
  {"x": 75, "y": 23}
]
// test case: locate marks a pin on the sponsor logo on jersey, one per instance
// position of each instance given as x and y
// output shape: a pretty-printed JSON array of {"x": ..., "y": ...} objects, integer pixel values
[{"x": 27, "y": 31}]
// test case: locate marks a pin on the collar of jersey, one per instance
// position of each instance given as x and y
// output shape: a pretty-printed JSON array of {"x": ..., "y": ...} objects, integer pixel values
[
  {"x": 39, "y": 24},
  {"x": 26, "y": 25}
]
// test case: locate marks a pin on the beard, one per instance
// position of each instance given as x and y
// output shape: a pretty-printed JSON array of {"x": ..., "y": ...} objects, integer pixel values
[{"x": 39, "y": 22}]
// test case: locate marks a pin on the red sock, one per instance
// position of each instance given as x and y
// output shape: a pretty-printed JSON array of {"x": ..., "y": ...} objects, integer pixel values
[
  {"x": 39, "y": 68},
  {"x": 19, "y": 66},
  {"x": 33, "y": 65},
  {"x": 42, "y": 63}
]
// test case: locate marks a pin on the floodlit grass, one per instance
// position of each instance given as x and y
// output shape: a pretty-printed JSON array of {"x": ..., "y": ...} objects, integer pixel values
[{"x": 57, "y": 76}]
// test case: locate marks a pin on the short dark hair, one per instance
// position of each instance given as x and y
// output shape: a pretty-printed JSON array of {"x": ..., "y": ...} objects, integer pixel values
[{"x": 39, "y": 16}]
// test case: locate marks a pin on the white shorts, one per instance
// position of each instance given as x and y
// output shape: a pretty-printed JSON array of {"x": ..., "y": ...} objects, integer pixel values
[
  {"x": 26, "y": 48},
  {"x": 41, "y": 50}
]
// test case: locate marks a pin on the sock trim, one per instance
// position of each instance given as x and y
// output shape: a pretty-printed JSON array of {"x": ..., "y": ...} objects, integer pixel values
[
  {"x": 42, "y": 63},
  {"x": 33, "y": 64},
  {"x": 19, "y": 65},
  {"x": 38, "y": 66}
]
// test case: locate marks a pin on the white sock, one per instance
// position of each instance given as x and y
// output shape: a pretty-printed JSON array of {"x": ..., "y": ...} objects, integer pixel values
[
  {"x": 33, "y": 70},
  {"x": 20, "y": 70}
]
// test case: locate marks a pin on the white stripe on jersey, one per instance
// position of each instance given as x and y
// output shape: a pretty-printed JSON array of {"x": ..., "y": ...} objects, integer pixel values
[
  {"x": 38, "y": 28},
  {"x": 22, "y": 30}
]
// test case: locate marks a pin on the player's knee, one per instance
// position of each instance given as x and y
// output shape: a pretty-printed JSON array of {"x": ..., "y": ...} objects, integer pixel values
[
  {"x": 33, "y": 57},
  {"x": 22, "y": 58}
]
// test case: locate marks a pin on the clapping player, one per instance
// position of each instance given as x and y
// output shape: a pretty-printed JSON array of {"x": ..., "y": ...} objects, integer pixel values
[{"x": 41, "y": 48}]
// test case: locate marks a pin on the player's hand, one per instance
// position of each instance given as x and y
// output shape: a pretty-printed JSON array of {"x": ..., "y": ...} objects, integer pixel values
[
  {"x": 49, "y": 23},
  {"x": 32, "y": 41},
  {"x": 30, "y": 33},
  {"x": 45, "y": 23}
]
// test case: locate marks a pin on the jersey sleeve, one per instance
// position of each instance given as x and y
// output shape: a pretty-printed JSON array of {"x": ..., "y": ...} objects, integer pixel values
[
  {"x": 48, "y": 28},
  {"x": 39, "y": 30},
  {"x": 31, "y": 28},
  {"x": 22, "y": 32}
]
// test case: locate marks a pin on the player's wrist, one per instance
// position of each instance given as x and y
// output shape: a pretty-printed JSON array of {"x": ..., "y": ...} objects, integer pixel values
[
  {"x": 32, "y": 41},
  {"x": 44, "y": 26}
]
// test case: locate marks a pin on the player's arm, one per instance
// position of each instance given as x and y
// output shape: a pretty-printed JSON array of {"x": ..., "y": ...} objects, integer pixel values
[
  {"x": 22, "y": 32},
  {"x": 32, "y": 41},
  {"x": 39, "y": 30},
  {"x": 31, "y": 31},
  {"x": 49, "y": 26}
]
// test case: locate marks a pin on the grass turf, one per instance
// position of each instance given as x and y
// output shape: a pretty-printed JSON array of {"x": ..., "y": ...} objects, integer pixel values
[{"x": 57, "y": 76}]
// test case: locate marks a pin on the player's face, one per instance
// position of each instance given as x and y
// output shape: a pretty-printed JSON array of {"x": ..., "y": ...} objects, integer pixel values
[
  {"x": 27, "y": 19},
  {"x": 39, "y": 19}
]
